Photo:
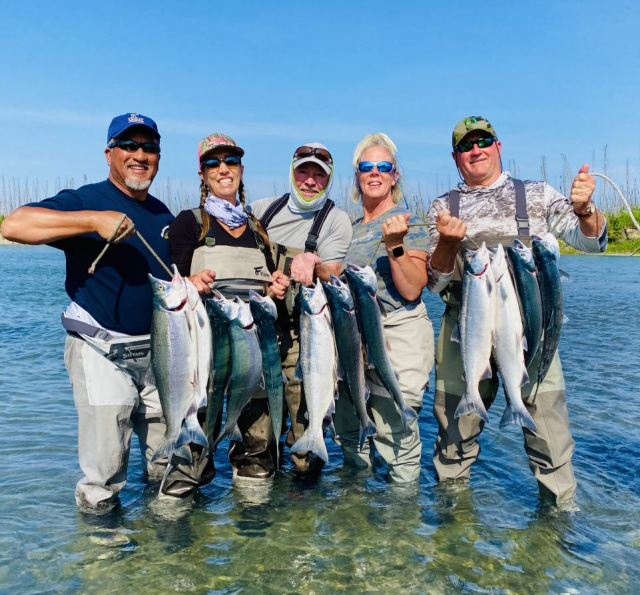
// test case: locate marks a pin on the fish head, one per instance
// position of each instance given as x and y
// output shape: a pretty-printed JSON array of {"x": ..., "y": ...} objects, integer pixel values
[
  {"x": 220, "y": 308},
  {"x": 338, "y": 293},
  {"x": 550, "y": 243},
  {"x": 361, "y": 279},
  {"x": 312, "y": 299},
  {"x": 520, "y": 256},
  {"x": 193, "y": 294},
  {"x": 477, "y": 262},
  {"x": 169, "y": 295},
  {"x": 262, "y": 307},
  {"x": 499, "y": 263},
  {"x": 243, "y": 318}
]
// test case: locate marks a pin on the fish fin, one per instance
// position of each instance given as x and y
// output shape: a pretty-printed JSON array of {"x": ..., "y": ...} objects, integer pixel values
[
  {"x": 149, "y": 377},
  {"x": 381, "y": 306},
  {"x": 488, "y": 372},
  {"x": 192, "y": 432},
  {"x": 525, "y": 345},
  {"x": 339, "y": 371},
  {"x": 232, "y": 433},
  {"x": 565, "y": 319},
  {"x": 366, "y": 429},
  {"x": 284, "y": 378},
  {"x": 519, "y": 417},
  {"x": 262, "y": 384},
  {"x": 525, "y": 378},
  {"x": 407, "y": 414},
  {"x": 314, "y": 444},
  {"x": 367, "y": 393},
  {"x": 455, "y": 333},
  {"x": 298, "y": 372},
  {"x": 469, "y": 405},
  {"x": 332, "y": 430},
  {"x": 564, "y": 276}
]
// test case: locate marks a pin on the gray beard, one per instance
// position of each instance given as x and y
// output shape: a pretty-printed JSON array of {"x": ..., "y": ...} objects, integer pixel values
[{"x": 133, "y": 185}]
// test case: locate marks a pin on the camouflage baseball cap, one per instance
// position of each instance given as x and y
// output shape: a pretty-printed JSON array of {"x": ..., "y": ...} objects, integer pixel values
[
  {"x": 218, "y": 141},
  {"x": 471, "y": 124}
]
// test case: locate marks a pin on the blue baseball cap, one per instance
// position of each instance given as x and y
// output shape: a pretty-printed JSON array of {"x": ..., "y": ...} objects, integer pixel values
[{"x": 121, "y": 123}]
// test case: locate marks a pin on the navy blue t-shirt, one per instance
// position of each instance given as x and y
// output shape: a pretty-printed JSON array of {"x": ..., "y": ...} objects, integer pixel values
[{"x": 118, "y": 294}]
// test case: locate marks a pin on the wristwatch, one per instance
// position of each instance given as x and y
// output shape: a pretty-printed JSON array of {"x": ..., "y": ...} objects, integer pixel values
[
  {"x": 590, "y": 210},
  {"x": 397, "y": 251}
]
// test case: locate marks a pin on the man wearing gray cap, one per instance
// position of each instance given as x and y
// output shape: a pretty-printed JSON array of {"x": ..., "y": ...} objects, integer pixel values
[
  {"x": 309, "y": 237},
  {"x": 492, "y": 207},
  {"x": 109, "y": 318}
]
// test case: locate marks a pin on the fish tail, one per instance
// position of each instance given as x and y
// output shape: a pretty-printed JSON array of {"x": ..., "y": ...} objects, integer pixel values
[
  {"x": 519, "y": 417},
  {"x": 367, "y": 429},
  {"x": 164, "y": 450},
  {"x": 314, "y": 444},
  {"x": 192, "y": 433},
  {"x": 472, "y": 404},
  {"x": 230, "y": 432}
]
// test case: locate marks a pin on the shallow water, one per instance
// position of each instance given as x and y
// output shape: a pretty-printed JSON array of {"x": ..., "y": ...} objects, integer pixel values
[{"x": 344, "y": 532}]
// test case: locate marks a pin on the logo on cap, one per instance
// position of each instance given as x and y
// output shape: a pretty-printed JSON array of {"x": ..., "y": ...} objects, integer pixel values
[{"x": 136, "y": 118}]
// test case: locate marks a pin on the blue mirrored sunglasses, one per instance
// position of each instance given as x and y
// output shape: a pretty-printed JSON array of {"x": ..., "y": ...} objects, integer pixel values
[
  {"x": 384, "y": 167},
  {"x": 230, "y": 161}
]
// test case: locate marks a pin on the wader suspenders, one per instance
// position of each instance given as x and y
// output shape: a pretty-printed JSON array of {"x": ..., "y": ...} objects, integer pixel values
[
  {"x": 522, "y": 218},
  {"x": 311, "y": 243}
]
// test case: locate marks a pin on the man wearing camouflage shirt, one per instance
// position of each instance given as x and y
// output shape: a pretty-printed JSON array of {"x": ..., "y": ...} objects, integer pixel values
[{"x": 485, "y": 208}]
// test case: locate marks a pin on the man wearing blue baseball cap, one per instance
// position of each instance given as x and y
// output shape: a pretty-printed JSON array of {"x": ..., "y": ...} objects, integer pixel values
[{"x": 109, "y": 318}]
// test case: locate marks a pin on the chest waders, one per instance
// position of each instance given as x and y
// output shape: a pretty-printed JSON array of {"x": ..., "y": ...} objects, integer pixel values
[
  {"x": 456, "y": 448},
  {"x": 289, "y": 323},
  {"x": 238, "y": 269}
]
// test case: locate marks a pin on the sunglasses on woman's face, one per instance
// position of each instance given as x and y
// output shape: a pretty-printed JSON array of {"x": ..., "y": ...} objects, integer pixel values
[
  {"x": 321, "y": 154},
  {"x": 483, "y": 143},
  {"x": 384, "y": 167},
  {"x": 230, "y": 161}
]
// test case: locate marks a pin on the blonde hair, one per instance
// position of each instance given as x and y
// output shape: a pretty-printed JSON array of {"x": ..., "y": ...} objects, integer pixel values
[{"x": 379, "y": 139}]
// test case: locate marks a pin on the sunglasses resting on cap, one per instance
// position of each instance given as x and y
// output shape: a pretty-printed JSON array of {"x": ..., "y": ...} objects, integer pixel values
[{"x": 322, "y": 154}]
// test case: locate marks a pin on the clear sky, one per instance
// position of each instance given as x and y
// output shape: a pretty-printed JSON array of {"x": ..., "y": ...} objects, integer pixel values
[{"x": 554, "y": 77}]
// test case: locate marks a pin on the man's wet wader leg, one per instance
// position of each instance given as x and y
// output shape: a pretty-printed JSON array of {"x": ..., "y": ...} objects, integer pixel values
[
  {"x": 550, "y": 449},
  {"x": 106, "y": 397},
  {"x": 456, "y": 447}
]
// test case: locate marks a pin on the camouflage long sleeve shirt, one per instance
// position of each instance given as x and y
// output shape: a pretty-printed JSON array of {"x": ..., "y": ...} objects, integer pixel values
[{"x": 491, "y": 211}]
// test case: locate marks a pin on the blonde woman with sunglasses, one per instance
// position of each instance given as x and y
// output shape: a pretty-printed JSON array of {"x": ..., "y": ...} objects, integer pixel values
[{"x": 398, "y": 255}]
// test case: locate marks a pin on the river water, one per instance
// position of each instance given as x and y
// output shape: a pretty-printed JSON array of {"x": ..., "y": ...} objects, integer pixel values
[{"x": 343, "y": 532}]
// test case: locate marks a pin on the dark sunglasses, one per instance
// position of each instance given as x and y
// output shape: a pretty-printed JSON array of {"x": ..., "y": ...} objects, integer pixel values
[
  {"x": 384, "y": 167},
  {"x": 230, "y": 161},
  {"x": 483, "y": 143},
  {"x": 304, "y": 152},
  {"x": 131, "y": 146}
]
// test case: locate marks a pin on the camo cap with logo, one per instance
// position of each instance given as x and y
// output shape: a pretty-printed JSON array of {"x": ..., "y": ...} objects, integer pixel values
[{"x": 471, "y": 124}]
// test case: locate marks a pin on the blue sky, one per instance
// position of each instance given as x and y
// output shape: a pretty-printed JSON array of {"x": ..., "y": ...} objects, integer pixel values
[{"x": 554, "y": 78}]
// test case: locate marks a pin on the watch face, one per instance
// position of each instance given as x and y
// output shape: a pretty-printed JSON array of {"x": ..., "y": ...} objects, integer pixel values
[{"x": 397, "y": 251}]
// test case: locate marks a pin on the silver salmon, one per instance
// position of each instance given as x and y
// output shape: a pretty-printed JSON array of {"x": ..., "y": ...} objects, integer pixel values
[
  {"x": 316, "y": 368},
  {"x": 264, "y": 314},
  {"x": 545, "y": 251},
  {"x": 174, "y": 365},
  {"x": 349, "y": 345},
  {"x": 475, "y": 328},
  {"x": 220, "y": 311},
  {"x": 246, "y": 369},
  {"x": 508, "y": 348},
  {"x": 364, "y": 285},
  {"x": 525, "y": 277},
  {"x": 201, "y": 335}
]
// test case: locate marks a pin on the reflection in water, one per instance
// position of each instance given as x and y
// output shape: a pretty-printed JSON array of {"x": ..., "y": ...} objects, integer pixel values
[{"x": 343, "y": 531}]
